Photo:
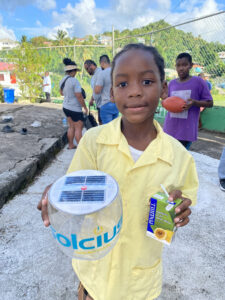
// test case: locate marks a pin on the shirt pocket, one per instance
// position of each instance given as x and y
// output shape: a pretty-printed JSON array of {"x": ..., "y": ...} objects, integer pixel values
[{"x": 146, "y": 282}]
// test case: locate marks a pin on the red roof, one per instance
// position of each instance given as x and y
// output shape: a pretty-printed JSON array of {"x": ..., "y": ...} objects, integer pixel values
[{"x": 5, "y": 66}]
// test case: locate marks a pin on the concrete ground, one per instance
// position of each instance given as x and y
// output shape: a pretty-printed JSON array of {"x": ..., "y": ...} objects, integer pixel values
[
  {"x": 32, "y": 267},
  {"x": 23, "y": 156}
]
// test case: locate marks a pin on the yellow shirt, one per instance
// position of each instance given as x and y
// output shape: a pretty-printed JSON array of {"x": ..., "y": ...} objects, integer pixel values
[{"x": 132, "y": 270}]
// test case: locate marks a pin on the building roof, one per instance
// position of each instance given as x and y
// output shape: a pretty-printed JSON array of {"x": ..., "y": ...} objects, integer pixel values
[{"x": 6, "y": 66}]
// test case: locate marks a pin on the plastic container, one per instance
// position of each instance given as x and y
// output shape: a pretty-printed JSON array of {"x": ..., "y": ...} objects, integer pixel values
[
  {"x": 85, "y": 211},
  {"x": 8, "y": 95},
  {"x": 64, "y": 122}
]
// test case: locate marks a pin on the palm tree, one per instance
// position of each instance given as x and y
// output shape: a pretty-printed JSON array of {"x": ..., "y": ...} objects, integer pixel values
[
  {"x": 60, "y": 36},
  {"x": 24, "y": 39}
]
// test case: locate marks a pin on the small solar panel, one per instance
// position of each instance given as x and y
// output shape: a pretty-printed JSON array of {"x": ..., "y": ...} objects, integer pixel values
[
  {"x": 96, "y": 180},
  {"x": 70, "y": 196},
  {"x": 96, "y": 196},
  {"x": 75, "y": 180},
  {"x": 78, "y": 180}
]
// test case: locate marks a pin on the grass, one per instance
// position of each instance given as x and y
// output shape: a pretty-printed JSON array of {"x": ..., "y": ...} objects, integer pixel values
[{"x": 218, "y": 99}]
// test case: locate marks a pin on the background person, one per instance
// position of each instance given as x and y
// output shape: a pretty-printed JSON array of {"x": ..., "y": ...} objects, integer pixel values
[
  {"x": 92, "y": 69},
  {"x": 131, "y": 148},
  {"x": 47, "y": 87},
  {"x": 184, "y": 126},
  {"x": 202, "y": 75},
  {"x": 108, "y": 110},
  {"x": 73, "y": 102},
  {"x": 221, "y": 171}
]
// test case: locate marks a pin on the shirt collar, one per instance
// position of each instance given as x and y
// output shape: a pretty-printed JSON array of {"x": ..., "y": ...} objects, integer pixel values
[{"x": 160, "y": 148}]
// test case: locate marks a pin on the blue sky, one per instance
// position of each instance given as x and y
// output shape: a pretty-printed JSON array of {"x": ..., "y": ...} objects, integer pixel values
[{"x": 81, "y": 17}]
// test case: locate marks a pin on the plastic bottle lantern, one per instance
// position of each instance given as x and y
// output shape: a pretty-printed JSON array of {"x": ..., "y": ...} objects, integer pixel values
[{"x": 85, "y": 211}]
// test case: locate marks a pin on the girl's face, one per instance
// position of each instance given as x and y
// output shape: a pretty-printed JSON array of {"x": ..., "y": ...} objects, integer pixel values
[
  {"x": 183, "y": 67},
  {"x": 137, "y": 86}
]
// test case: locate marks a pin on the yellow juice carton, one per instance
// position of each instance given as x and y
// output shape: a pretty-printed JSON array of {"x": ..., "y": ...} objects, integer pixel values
[{"x": 161, "y": 218}]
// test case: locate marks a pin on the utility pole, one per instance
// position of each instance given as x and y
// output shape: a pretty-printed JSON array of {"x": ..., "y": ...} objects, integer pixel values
[{"x": 113, "y": 42}]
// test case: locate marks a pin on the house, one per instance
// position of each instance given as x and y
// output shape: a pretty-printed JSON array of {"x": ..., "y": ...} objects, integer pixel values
[
  {"x": 7, "y": 77},
  {"x": 222, "y": 56},
  {"x": 105, "y": 40},
  {"x": 7, "y": 44}
]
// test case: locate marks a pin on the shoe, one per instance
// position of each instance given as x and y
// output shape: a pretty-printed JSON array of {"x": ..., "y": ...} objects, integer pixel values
[
  {"x": 7, "y": 129},
  {"x": 23, "y": 131},
  {"x": 222, "y": 184}
]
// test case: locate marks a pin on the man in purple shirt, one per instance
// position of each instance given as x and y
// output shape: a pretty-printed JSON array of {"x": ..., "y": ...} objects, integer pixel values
[{"x": 194, "y": 90}]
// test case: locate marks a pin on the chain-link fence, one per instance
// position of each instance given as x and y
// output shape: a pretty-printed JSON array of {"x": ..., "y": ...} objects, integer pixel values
[{"x": 203, "y": 38}]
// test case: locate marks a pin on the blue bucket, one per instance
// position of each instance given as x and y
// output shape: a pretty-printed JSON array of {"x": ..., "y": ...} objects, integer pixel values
[{"x": 8, "y": 95}]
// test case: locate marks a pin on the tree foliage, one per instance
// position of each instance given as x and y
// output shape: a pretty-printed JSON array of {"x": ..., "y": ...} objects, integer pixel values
[{"x": 29, "y": 63}]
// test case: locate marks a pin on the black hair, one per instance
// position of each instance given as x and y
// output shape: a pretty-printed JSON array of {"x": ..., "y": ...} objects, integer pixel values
[
  {"x": 90, "y": 62},
  {"x": 185, "y": 55},
  {"x": 104, "y": 58},
  {"x": 68, "y": 62},
  {"x": 139, "y": 46}
]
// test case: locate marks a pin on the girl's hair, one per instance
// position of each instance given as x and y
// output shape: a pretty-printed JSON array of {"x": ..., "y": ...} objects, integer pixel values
[
  {"x": 185, "y": 55},
  {"x": 157, "y": 57}
]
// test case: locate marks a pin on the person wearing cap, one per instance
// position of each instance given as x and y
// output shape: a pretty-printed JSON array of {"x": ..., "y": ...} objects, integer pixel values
[
  {"x": 94, "y": 71},
  {"x": 73, "y": 104}
]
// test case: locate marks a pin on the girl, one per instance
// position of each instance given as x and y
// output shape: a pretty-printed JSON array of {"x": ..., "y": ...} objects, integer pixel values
[
  {"x": 184, "y": 126},
  {"x": 73, "y": 102},
  {"x": 140, "y": 156}
]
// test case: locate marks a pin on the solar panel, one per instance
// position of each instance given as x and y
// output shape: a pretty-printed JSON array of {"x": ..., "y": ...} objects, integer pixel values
[
  {"x": 78, "y": 180},
  {"x": 97, "y": 196},
  {"x": 85, "y": 196},
  {"x": 70, "y": 196},
  {"x": 96, "y": 180},
  {"x": 75, "y": 180}
]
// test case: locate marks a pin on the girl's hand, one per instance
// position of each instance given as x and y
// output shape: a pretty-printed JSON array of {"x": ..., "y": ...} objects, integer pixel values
[
  {"x": 182, "y": 211},
  {"x": 189, "y": 103},
  {"x": 43, "y": 206}
]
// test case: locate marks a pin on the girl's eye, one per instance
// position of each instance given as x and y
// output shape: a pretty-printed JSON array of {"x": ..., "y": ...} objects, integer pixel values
[
  {"x": 147, "y": 82},
  {"x": 122, "y": 84}
]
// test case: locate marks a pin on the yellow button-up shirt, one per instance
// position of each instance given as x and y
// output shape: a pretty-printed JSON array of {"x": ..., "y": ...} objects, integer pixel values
[{"x": 132, "y": 270}]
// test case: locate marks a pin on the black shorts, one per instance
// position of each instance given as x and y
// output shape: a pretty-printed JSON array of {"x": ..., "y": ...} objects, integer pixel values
[{"x": 74, "y": 115}]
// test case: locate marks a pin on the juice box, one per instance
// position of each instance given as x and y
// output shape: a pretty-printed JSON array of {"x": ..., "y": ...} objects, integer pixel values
[{"x": 161, "y": 218}]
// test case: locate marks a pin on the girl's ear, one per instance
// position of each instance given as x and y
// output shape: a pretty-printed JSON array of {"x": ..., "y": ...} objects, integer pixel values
[
  {"x": 164, "y": 93},
  {"x": 111, "y": 95}
]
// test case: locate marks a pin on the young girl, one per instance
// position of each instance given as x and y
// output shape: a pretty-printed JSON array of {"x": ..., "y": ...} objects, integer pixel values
[
  {"x": 184, "y": 126},
  {"x": 73, "y": 102},
  {"x": 140, "y": 156}
]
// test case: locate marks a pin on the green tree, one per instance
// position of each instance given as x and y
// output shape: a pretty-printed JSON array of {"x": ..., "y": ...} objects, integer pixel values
[
  {"x": 61, "y": 36},
  {"x": 29, "y": 64}
]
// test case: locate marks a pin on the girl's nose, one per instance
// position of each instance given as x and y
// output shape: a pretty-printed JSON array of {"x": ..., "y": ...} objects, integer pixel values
[{"x": 135, "y": 89}]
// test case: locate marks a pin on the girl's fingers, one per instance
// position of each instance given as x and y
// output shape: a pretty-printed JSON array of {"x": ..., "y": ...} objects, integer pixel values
[
  {"x": 175, "y": 195},
  {"x": 182, "y": 216},
  {"x": 183, "y": 222},
  {"x": 183, "y": 206}
]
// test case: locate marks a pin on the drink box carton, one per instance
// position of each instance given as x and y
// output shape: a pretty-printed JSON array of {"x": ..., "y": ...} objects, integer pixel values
[{"x": 161, "y": 218}]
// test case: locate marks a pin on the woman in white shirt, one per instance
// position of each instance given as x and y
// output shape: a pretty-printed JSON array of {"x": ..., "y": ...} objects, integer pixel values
[{"x": 73, "y": 102}]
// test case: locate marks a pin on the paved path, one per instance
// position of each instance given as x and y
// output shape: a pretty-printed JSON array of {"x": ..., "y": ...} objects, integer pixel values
[{"x": 32, "y": 267}]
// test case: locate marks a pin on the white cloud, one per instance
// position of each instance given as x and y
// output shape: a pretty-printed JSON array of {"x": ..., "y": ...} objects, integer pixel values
[
  {"x": 6, "y": 33},
  {"x": 46, "y": 4},
  {"x": 38, "y": 23}
]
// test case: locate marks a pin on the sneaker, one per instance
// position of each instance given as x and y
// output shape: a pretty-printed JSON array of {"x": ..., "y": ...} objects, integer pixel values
[
  {"x": 7, "y": 129},
  {"x": 23, "y": 131},
  {"x": 222, "y": 184}
]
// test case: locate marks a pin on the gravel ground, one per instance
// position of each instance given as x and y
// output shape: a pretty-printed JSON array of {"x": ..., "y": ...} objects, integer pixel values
[{"x": 32, "y": 267}]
